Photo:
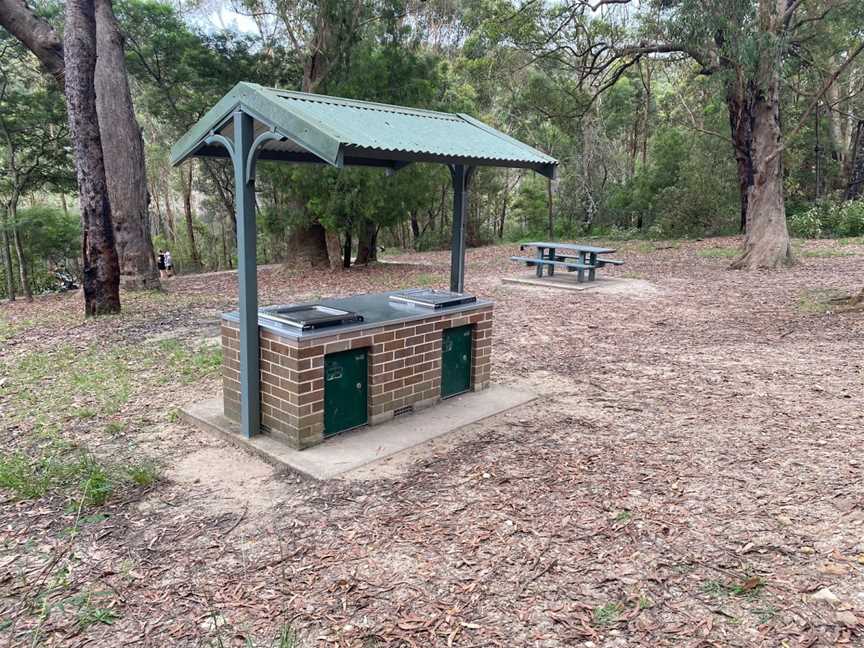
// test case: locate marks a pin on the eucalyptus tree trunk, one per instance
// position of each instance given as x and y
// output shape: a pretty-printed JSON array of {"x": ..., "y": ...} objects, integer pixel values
[
  {"x": 123, "y": 149},
  {"x": 187, "y": 214},
  {"x": 19, "y": 248},
  {"x": 169, "y": 212},
  {"x": 855, "y": 185},
  {"x": 101, "y": 268},
  {"x": 346, "y": 249},
  {"x": 740, "y": 106},
  {"x": 334, "y": 248},
  {"x": 307, "y": 246},
  {"x": 766, "y": 243},
  {"x": 367, "y": 242},
  {"x": 121, "y": 136},
  {"x": 7, "y": 257},
  {"x": 336, "y": 24}
]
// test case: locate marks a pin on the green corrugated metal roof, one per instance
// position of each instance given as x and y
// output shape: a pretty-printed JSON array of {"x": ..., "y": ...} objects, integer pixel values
[{"x": 344, "y": 131}]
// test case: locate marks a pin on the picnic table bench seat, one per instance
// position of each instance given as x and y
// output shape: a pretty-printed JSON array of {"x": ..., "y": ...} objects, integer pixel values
[
  {"x": 570, "y": 265},
  {"x": 601, "y": 261}
]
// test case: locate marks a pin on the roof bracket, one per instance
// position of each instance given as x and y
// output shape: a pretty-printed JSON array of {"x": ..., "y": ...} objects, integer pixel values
[
  {"x": 213, "y": 138},
  {"x": 267, "y": 136}
]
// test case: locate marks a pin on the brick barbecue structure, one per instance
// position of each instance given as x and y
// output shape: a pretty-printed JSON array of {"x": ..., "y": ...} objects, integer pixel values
[{"x": 404, "y": 368}]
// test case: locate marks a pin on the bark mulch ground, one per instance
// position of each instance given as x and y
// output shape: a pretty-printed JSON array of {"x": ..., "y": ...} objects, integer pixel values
[{"x": 691, "y": 476}]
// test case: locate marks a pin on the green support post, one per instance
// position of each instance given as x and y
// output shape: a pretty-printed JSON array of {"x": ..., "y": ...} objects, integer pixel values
[
  {"x": 244, "y": 200},
  {"x": 461, "y": 179}
]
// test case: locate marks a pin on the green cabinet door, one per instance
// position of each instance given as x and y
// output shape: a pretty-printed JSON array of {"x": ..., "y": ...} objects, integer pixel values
[
  {"x": 456, "y": 361},
  {"x": 345, "y": 391}
]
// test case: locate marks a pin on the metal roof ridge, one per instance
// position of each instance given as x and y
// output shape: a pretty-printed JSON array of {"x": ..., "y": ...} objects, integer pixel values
[
  {"x": 319, "y": 123},
  {"x": 326, "y": 150}
]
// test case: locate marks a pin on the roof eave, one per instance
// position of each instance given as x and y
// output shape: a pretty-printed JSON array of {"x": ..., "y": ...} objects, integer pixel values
[
  {"x": 262, "y": 106},
  {"x": 546, "y": 159},
  {"x": 194, "y": 138}
]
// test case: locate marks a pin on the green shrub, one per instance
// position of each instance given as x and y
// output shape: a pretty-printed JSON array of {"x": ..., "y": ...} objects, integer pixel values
[
  {"x": 850, "y": 219},
  {"x": 829, "y": 219},
  {"x": 806, "y": 224}
]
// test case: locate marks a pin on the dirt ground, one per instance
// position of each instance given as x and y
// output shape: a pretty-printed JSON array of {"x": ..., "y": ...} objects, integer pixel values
[{"x": 691, "y": 476}]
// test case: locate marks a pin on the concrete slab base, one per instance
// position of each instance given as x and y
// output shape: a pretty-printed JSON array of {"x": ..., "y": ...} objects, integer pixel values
[
  {"x": 565, "y": 281},
  {"x": 627, "y": 287},
  {"x": 362, "y": 447}
]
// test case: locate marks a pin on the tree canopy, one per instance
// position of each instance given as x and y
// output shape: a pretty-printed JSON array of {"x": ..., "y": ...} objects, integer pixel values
[{"x": 670, "y": 119}]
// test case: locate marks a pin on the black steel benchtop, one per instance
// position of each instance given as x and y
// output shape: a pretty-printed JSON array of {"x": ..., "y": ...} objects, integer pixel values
[{"x": 376, "y": 308}]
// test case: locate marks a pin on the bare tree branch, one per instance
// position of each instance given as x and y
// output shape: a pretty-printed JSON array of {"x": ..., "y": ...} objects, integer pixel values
[{"x": 815, "y": 101}]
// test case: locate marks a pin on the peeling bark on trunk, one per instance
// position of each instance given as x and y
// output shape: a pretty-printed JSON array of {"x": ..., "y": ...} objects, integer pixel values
[
  {"x": 123, "y": 155},
  {"x": 307, "y": 247},
  {"x": 767, "y": 242},
  {"x": 335, "y": 251},
  {"x": 101, "y": 268}
]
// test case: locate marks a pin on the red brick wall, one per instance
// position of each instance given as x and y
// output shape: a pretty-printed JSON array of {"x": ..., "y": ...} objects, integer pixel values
[{"x": 404, "y": 370}]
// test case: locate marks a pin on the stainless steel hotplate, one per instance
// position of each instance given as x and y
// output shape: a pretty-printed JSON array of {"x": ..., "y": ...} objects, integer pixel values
[
  {"x": 430, "y": 298},
  {"x": 310, "y": 316}
]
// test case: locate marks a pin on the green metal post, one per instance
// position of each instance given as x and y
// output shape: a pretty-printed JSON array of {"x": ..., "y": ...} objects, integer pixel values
[
  {"x": 461, "y": 177},
  {"x": 244, "y": 200}
]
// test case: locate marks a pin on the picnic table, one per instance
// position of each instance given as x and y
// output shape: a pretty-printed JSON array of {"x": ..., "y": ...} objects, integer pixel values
[{"x": 574, "y": 257}]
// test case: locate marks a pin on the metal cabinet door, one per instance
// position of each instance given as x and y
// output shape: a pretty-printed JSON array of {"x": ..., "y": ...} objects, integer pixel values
[
  {"x": 345, "y": 390},
  {"x": 456, "y": 361}
]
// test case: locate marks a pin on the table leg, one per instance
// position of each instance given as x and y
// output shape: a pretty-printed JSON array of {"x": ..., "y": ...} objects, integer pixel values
[
  {"x": 593, "y": 262},
  {"x": 580, "y": 274},
  {"x": 540, "y": 265},
  {"x": 551, "y": 270}
]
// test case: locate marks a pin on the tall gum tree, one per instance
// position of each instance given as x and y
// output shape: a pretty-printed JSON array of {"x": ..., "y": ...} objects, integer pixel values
[
  {"x": 744, "y": 42},
  {"x": 123, "y": 149},
  {"x": 324, "y": 34},
  {"x": 124, "y": 161},
  {"x": 101, "y": 266}
]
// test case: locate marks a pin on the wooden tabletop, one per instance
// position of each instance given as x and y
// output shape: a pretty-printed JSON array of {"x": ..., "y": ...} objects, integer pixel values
[{"x": 568, "y": 246}]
